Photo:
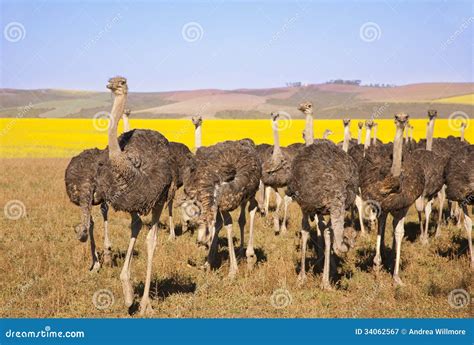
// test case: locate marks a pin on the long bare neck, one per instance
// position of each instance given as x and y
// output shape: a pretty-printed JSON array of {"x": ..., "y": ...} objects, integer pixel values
[
  {"x": 276, "y": 138},
  {"x": 429, "y": 135},
  {"x": 347, "y": 138},
  {"x": 397, "y": 152},
  {"x": 462, "y": 132},
  {"x": 374, "y": 141},
  {"x": 359, "y": 136},
  {"x": 117, "y": 111},
  {"x": 309, "y": 137},
  {"x": 367, "y": 138},
  {"x": 126, "y": 126},
  {"x": 198, "y": 136}
]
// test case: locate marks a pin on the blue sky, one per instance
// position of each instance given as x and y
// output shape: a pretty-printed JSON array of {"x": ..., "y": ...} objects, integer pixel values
[{"x": 78, "y": 45}]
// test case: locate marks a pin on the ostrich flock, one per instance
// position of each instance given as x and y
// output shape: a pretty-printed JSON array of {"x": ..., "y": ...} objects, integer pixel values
[{"x": 140, "y": 171}]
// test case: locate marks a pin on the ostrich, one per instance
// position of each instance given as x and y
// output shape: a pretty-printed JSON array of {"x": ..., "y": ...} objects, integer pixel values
[
  {"x": 374, "y": 140},
  {"x": 460, "y": 187},
  {"x": 83, "y": 190},
  {"x": 360, "y": 124},
  {"x": 307, "y": 109},
  {"x": 393, "y": 187},
  {"x": 368, "y": 130},
  {"x": 197, "y": 122},
  {"x": 327, "y": 133},
  {"x": 323, "y": 181},
  {"x": 136, "y": 178},
  {"x": 225, "y": 176},
  {"x": 433, "y": 169},
  {"x": 276, "y": 171}
]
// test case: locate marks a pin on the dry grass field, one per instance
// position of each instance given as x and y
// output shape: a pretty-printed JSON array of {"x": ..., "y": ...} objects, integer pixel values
[{"x": 45, "y": 269}]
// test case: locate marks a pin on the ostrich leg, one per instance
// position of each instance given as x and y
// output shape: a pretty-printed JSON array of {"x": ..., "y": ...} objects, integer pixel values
[
  {"x": 104, "y": 209},
  {"x": 95, "y": 257},
  {"x": 276, "y": 214},
  {"x": 250, "y": 253},
  {"x": 242, "y": 221},
  {"x": 380, "y": 241},
  {"x": 399, "y": 228},
  {"x": 428, "y": 207},
  {"x": 261, "y": 198},
  {"x": 360, "y": 204},
  {"x": 441, "y": 198},
  {"x": 325, "y": 284},
  {"x": 145, "y": 304},
  {"x": 286, "y": 201},
  {"x": 420, "y": 205},
  {"x": 305, "y": 228},
  {"x": 127, "y": 287},
  {"x": 468, "y": 226},
  {"x": 172, "y": 235},
  {"x": 233, "y": 268},
  {"x": 268, "y": 191}
]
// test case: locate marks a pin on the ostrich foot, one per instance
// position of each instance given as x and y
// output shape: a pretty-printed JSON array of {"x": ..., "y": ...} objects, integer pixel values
[
  {"x": 326, "y": 285},
  {"x": 107, "y": 258},
  {"x": 95, "y": 267},
  {"x": 251, "y": 261},
  {"x": 438, "y": 232},
  {"x": 171, "y": 237},
  {"x": 377, "y": 263},
  {"x": 283, "y": 229},
  {"x": 424, "y": 240},
  {"x": 302, "y": 277},
  {"x": 127, "y": 292},
  {"x": 145, "y": 306},
  {"x": 232, "y": 273},
  {"x": 397, "y": 281}
]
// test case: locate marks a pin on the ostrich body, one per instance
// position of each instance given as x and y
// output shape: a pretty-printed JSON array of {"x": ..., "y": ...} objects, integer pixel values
[
  {"x": 460, "y": 187},
  {"x": 393, "y": 185},
  {"x": 136, "y": 178},
  {"x": 323, "y": 181},
  {"x": 225, "y": 177},
  {"x": 433, "y": 170}
]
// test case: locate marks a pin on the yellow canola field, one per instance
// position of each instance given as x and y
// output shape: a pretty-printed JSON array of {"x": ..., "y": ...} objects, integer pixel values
[
  {"x": 35, "y": 138},
  {"x": 464, "y": 99}
]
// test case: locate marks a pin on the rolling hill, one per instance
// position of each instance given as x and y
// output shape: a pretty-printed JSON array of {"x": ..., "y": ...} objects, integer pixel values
[{"x": 331, "y": 101}]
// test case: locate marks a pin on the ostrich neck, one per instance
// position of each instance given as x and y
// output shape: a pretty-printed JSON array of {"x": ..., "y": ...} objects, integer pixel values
[
  {"x": 397, "y": 152},
  {"x": 359, "y": 136},
  {"x": 198, "y": 137},
  {"x": 374, "y": 142},
  {"x": 276, "y": 138},
  {"x": 367, "y": 138},
  {"x": 309, "y": 137},
  {"x": 117, "y": 111},
  {"x": 347, "y": 137},
  {"x": 126, "y": 126},
  {"x": 429, "y": 135},
  {"x": 462, "y": 133}
]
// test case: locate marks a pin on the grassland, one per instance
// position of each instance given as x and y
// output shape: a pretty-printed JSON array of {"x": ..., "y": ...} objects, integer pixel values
[
  {"x": 464, "y": 99},
  {"x": 66, "y": 137},
  {"x": 45, "y": 269}
]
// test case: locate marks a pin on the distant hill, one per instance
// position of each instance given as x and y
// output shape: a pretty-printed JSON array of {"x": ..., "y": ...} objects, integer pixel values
[{"x": 330, "y": 100}]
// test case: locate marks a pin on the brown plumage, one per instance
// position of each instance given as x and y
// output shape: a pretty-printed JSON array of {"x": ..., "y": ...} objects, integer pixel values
[
  {"x": 224, "y": 177},
  {"x": 324, "y": 180}
]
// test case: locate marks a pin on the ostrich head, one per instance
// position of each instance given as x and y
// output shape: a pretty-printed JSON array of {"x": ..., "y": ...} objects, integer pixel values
[
  {"x": 306, "y": 108},
  {"x": 360, "y": 124},
  {"x": 346, "y": 122},
  {"x": 401, "y": 120},
  {"x": 369, "y": 124},
  {"x": 432, "y": 114},
  {"x": 197, "y": 120},
  {"x": 326, "y": 133},
  {"x": 118, "y": 85},
  {"x": 275, "y": 116}
]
